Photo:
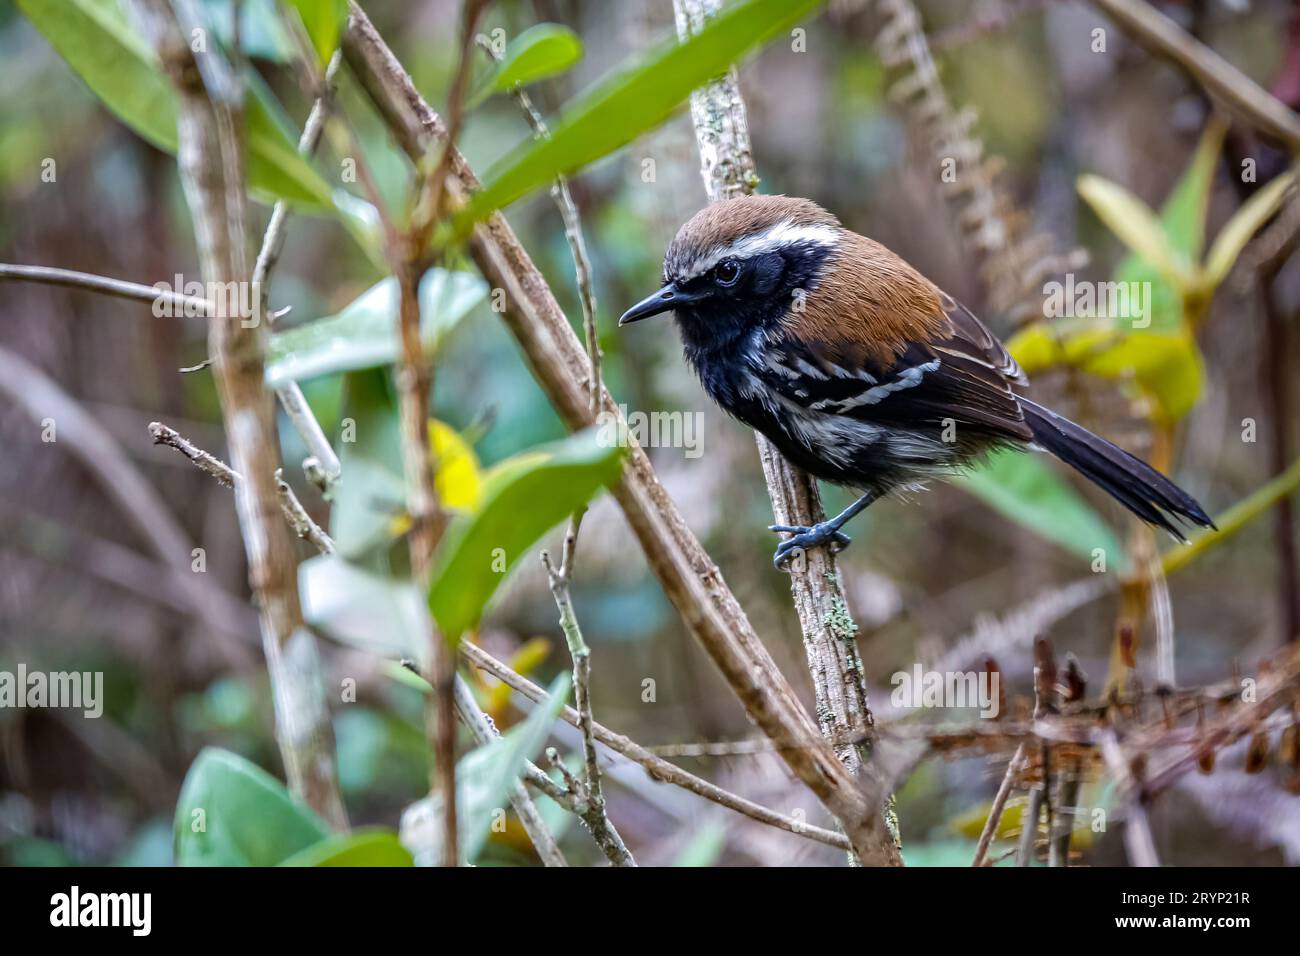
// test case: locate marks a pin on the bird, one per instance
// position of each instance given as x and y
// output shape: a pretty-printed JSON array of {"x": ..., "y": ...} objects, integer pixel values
[{"x": 859, "y": 369}]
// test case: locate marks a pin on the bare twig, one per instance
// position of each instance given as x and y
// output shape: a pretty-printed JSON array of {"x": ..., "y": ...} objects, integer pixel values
[
  {"x": 323, "y": 465},
  {"x": 690, "y": 579},
  {"x": 175, "y": 302},
  {"x": 210, "y": 158},
  {"x": 299, "y": 520},
  {"x": 602, "y": 829},
  {"x": 999, "y": 804},
  {"x": 657, "y": 767},
  {"x": 1137, "y": 830}
]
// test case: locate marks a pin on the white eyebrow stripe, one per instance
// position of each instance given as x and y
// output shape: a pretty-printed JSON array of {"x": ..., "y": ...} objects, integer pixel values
[{"x": 783, "y": 234}]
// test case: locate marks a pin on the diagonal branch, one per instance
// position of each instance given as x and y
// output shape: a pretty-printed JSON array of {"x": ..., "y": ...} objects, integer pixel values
[
  {"x": 657, "y": 767},
  {"x": 1238, "y": 92}
]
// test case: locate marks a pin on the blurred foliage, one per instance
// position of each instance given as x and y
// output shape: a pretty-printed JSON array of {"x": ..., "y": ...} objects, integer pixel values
[
  {"x": 1159, "y": 350},
  {"x": 823, "y": 125}
]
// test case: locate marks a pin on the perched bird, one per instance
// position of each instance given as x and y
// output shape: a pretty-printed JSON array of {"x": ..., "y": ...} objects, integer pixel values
[{"x": 858, "y": 368}]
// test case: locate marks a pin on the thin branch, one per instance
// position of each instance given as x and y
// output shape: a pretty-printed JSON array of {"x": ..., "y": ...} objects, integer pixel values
[
  {"x": 322, "y": 467},
  {"x": 1137, "y": 830},
  {"x": 999, "y": 804},
  {"x": 120, "y": 288},
  {"x": 690, "y": 579},
  {"x": 210, "y": 160},
  {"x": 657, "y": 767},
  {"x": 597, "y": 820},
  {"x": 829, "y": 632},
  {"x": 299, "y": 520},
  {"x": 205, "y": 461}
]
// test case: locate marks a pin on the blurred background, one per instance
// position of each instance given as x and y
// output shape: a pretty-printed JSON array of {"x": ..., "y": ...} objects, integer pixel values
[{"x": 80, "y": 587}]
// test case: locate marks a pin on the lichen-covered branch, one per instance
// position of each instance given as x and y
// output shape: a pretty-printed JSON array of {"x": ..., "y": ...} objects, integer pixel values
[{"x": 829, "y": 632}]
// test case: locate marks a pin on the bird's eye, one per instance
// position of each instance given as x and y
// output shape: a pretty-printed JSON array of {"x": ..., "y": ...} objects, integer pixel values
[{"x": 727, "y": 272}]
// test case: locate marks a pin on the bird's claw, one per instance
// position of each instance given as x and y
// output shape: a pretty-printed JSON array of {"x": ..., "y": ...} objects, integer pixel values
[{"x": 802, "y": 537}]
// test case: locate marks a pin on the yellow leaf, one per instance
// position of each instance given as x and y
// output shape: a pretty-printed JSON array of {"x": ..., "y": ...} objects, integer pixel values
[
  {"x": 530, "y": 653},
  {"x": 1166, "y": 366},
  {"x": 460, "y": 480},
  {"x": 1136, "y": 225},
  {"x": 1245, "y": 222},
  {"x": 524, "y": 660},
  {"x": 971, "y": 823}
]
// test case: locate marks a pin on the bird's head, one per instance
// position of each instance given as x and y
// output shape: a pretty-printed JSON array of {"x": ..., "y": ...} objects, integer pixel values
[{"x": 740, "y": 265}]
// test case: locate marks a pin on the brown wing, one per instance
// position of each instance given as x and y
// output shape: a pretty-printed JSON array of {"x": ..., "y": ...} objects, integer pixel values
[{"x": 960, "y": 373}]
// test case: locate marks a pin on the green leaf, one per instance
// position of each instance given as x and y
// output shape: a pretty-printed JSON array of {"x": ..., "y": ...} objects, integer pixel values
[
  {"x": 1183, "y": 214},
  {"x": 630, "y": 102},
  {"x": 375, "y": 846},
  {"x": 364, "y": 334},
  {"x": 484, "y": 777},
  {"x": 1022, "y": 487},
  {"x": 323, "y": 20},
  {"x": 358, "y": 607},
  {"x": 523, "y": 498},
  {"x": 233, "y": 813},
  {"x": 97, "y": 41},
  {"x": 540, "y": 51}
]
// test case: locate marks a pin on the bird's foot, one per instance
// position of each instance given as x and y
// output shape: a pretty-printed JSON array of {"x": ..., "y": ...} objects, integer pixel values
[{"x": 802, "y": 537}]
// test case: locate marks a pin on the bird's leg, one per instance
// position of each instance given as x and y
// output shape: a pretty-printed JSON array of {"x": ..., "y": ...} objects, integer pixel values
[{"x": 825, "y": 532}]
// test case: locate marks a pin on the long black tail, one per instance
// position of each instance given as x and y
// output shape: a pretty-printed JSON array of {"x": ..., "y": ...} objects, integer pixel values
[{"x": 1129, "y": 480}]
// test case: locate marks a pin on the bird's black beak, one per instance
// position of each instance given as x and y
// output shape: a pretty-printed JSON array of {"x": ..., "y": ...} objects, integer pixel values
[{"x": 665, "y": 300}]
